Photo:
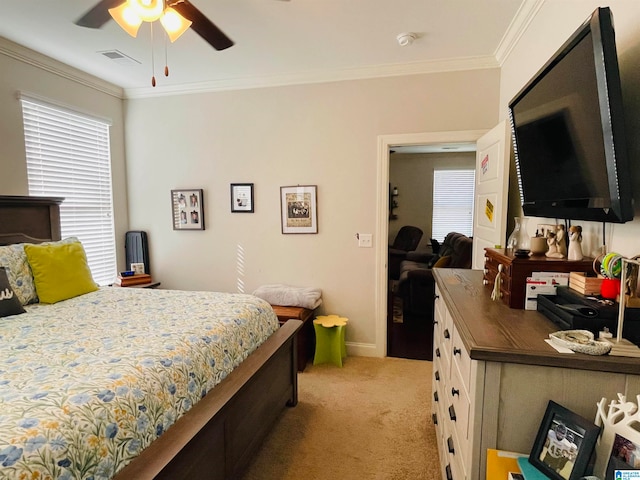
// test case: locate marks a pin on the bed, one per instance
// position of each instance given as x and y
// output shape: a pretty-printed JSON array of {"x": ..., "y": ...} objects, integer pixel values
[{"x": 160, "y": 399}]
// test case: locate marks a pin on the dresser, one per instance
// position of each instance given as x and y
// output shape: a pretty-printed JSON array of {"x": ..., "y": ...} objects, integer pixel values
[
  {"x": 516, "y": 270},
  {"x": 493, "y": 375}
]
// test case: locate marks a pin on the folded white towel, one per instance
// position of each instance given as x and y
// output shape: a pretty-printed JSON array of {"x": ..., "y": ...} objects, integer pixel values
[{"x": 286, "y": 295}]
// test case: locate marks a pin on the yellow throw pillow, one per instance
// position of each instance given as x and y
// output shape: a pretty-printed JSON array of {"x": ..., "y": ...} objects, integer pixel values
[
  {"x": 442, "y": 262},
  {"x": 60, "y": 271}
]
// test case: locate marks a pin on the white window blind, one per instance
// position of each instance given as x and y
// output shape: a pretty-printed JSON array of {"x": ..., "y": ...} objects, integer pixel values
[
  {"x": 68, "y": 156},
  {"x": 453, "y": 196}
]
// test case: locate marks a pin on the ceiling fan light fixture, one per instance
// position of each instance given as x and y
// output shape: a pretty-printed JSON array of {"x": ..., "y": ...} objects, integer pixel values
[
  {"x": 147, "y": 10},
  {"x": 127, "y": 18},
  {"x": 174, "y": 24}
]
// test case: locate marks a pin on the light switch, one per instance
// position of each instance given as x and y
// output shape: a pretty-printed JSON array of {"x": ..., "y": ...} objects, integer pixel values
[{"x": 365, "y": 240}]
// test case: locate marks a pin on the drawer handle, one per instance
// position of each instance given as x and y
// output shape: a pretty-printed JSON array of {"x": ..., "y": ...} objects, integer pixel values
[
  {"x": 450, "y": 446},
  {"x": 435, "y": 396},
  {"x": 434, "y": 418},
  {"x": 437, "y": 375},
  {"x": 446, "y": 333},
  {"x": 436, "y": 297},
  {"x": 438, "y": 352},
  {"x": 454, "y": 392},
  {"x": 447, "y": 469},
  {"x": 457, "y": 351},
  {"x": 452, "y": 413},
  {"x": 435, "y": 322}
]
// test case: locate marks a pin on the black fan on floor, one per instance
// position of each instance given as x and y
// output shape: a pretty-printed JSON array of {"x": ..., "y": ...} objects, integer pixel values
[{"x": 99, "y": 14}]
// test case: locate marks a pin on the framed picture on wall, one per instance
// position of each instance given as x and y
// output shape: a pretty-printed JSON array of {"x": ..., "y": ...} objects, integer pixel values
[
  {"x": 188, "y": 209},
  {"x": 242, "y": 197},
  {"x": 299, "y": 211}
]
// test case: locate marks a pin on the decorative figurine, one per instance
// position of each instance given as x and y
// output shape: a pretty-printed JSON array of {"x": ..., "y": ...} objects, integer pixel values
[
  {"x": 561, "y": 241},
  {"x": 575, "y": 243},
  {"x": 552, "y": 241}
]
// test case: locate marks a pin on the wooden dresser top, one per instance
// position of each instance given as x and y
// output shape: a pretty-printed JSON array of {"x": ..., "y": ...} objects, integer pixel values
[{"x": 493, "y": 332}]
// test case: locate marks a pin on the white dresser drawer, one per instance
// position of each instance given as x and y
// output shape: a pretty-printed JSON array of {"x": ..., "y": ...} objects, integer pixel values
[
  {"x": 458, "y": 412},
  {"x": 453, "y": 461},
  {"x": 439, "y": 307},
  {"x": 446, "y": 340},
  {"x": 461, "y": 360}
]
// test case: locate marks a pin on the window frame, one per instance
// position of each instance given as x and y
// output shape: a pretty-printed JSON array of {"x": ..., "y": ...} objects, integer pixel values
[
  {"x": 68, "y": 155},
  {"x": 447, "y": 201}
]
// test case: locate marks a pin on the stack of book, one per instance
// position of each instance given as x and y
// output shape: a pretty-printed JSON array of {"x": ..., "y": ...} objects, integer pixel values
[{"x": 138, "y": 279}]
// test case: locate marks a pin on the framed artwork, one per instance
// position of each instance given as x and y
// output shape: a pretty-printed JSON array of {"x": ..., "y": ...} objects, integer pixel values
[
  {"x": 625, "y": 456},
  {"x": 242, "y": 197},
  {"x": 564, "y": 444},
  {"x": 299, "y": 209},
  {"x": 188, "y": 209},
  {"x": 618, "y": 448}
]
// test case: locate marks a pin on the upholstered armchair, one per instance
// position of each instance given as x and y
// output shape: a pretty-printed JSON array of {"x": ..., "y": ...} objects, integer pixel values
[
  {"x": 416, "y": 284},
  {"x": 406, "y": 241}
]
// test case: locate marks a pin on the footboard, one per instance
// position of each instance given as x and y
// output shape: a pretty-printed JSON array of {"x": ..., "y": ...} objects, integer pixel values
[{"x": 221, "y": 433}]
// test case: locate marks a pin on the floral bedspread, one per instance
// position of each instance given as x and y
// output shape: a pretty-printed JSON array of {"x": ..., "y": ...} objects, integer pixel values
[{"x": 87, "y": 383}]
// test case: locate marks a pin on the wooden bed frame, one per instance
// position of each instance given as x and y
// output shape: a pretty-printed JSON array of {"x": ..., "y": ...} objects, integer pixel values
[{"x": 217, "y": 437}]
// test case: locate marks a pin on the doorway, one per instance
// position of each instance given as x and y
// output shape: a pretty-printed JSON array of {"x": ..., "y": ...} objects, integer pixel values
[
  {"x": 385, "y": 144},
  {"x": 417, "y": 174}
]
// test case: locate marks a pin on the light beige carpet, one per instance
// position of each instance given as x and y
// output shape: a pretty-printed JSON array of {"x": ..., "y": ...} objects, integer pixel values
[{"x": 370, "y": 419}]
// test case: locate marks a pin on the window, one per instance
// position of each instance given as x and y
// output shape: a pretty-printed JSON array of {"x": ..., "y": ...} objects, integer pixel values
[
  {"x": 68, "y": 156},
  {"x": 453, "y": 196}
]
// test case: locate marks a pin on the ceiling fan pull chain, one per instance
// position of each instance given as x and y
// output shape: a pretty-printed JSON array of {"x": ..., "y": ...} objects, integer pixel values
[
  {"x": 153, "y": 66},
  {"x": 166, "y": 55}
]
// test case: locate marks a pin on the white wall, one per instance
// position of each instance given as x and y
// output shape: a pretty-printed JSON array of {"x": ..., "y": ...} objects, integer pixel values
[
  {"x": 412, "y": 173},
  {"x": 27, "y": 72},
  {"x": 553, "y": 24},
  {"x": 322, "y": 134}
]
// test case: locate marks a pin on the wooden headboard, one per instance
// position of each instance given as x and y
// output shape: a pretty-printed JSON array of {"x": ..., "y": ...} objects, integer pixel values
[{"x": 29, "y": 219}]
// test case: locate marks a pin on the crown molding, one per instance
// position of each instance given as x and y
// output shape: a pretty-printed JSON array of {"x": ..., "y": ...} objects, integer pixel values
[
  {"x": 523, "y": 18},
  {"x": 324, "y": 76},
  {"x": 518, "y": 26},
  {"x": 48, "y": 64}
]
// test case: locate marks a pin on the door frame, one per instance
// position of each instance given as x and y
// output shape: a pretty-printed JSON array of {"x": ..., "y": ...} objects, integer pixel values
[{"x": 385, "y": 142}]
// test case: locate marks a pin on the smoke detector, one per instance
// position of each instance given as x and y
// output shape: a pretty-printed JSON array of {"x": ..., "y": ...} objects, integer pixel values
[{"x": 407, "y": 38}]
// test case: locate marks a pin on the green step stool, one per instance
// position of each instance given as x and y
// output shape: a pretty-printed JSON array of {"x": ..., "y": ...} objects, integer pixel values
[{"x": 330, "y": 344}]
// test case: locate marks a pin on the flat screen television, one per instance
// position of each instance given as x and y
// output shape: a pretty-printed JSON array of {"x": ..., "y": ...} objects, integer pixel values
[{"x": 568, "y": 131}]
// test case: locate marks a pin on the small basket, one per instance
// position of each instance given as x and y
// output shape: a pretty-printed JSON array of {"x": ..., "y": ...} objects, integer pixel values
[{"x": 580, "y": 341}]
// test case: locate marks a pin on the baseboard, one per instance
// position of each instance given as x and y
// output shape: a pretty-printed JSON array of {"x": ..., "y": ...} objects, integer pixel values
[{"x": 361, "y": 349}]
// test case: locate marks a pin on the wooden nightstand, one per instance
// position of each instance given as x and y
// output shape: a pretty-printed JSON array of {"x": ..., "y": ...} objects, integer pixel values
[
  {"x": 145, "y": 285},
  {"x": 142, "y": 285},
  {"x": 306, "y": 338}
]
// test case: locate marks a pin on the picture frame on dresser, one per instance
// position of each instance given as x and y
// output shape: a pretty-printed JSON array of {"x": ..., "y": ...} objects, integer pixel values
[
  {"x": 564, "y": 445},
  {"x": 187, "y": 209},
  {"x": 625, "y": 455}
]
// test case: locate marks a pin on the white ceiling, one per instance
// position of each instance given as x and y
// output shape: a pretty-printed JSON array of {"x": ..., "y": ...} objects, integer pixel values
[{"x": 277, "y": 42}]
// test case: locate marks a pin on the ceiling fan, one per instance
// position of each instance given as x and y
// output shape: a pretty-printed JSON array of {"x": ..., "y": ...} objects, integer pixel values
[{"x": 188, "y": 15}]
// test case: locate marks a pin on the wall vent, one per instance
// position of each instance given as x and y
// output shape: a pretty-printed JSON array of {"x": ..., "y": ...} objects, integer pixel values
[{"x": 120, "y": 58}]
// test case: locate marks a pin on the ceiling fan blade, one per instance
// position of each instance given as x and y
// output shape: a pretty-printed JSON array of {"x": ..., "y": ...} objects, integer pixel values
[
  {"x": 202, "y": 25},
  {"x": 99, "y": 14}
]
